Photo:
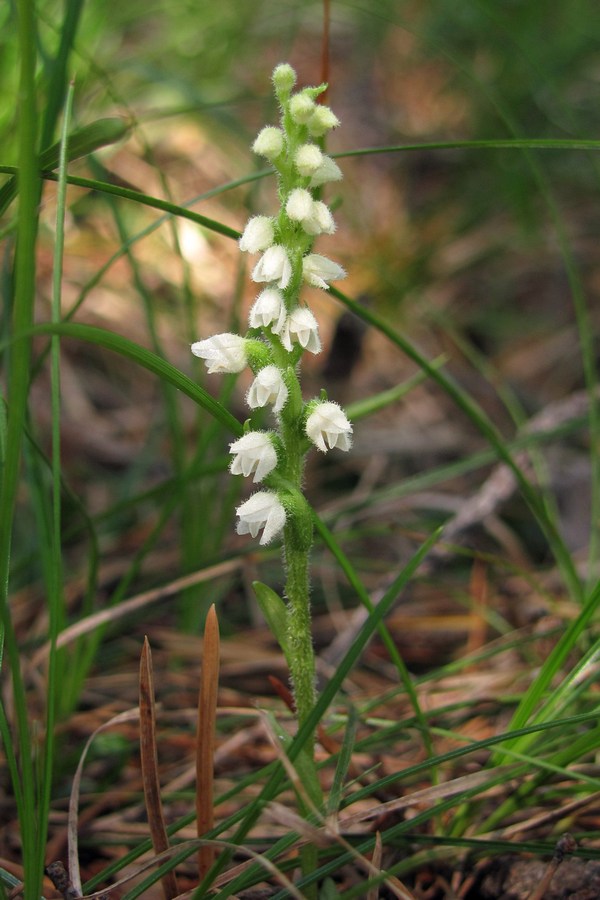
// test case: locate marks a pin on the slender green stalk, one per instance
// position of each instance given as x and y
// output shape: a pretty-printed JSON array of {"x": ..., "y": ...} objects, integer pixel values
[{"x": 18, "y": 388}]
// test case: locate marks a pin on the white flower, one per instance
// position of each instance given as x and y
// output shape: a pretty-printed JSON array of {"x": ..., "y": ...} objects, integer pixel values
[
  {"x": 274, "y": 265},
  {"x": 302, "y": 108},
  {"x": 314, "y": 216},
  {"x": 327, "y": 171},
  {"x": 321, "y": 220},
  {"x": 268, "y": 309},
  {"x": 318, "y": 270},
  {"x": 268, "y": 387},
  {"x": 222, "y": 353},
  {"x": 269, "y": 142},
  {"x": 258, "y": 234},
  {"x": 299, "y": 206},
  {"x": 321, "y": 121},
  {"x": 262, "y": 510},
  {"x": 328, "y": 427},
  {"x": 301, "y": 327},
  {"x": 308, "y": 159},
  {"x": 254, "y": 453}
]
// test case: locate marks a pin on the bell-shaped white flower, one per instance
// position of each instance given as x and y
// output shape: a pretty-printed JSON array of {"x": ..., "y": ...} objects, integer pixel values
[
  {"x": 269, "y": 142},
  {"x": 258, "y": 234},
  {"x": 327, "y": 426},
  {"x": 222, "y": 353},
  {"x": 327, "y": 171},
  {"x": 262, "y": 510},
  {"x": 274, "y": 265},
  {"x": 268, "y": 387},
  {"x": 321, "y": 121},
  {"x": 308, "y": 159},
  {"x": 302, "y": 328},
  {"x": 254, "y": 454},
  {"x": 321, "y": 220},
  {"x": 268, "y": 309},
  {"x": 318, "y": 270}
]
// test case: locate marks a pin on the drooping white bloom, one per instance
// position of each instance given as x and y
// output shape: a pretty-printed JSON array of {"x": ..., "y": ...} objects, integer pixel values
[
  {"x": 269, "y": 142},
  {"x": 321, "y": 220},
  {"x": 308, "y": 159},
  {"x": 321, "y": 121},
  {"x": 327, "y": 426},
  {"x": 258, "y": 234},
  {"x": 302, "y": 108},
  {"x": 262, "y": 510},
  {"x": 268, "y": 387},
  {"x": 301, "y": 327},
  {"x": 222, "y": 353},
  {"x": 274, "y": 265},
  {"x": 268, "y": 309},
  {"x": 299, "y": 205},
  {"x": 255, "y": 454},
  {"x": 327, "y": 171},
  {"x": 318, "y": 270}
]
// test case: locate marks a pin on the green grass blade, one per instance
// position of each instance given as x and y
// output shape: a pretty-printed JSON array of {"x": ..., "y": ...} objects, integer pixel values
[
  {"x": 150, "y": 361},
  {"x": 474, "y": 412}
]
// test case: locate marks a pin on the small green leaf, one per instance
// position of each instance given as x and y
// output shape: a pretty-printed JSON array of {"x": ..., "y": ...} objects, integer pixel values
[{"x": 275, "y": 612}]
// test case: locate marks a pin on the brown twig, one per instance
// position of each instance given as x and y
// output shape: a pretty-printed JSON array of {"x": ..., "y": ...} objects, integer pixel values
[
  {"x": 325, "y": 50},
  {"x": 205, "y": 745},
  {"x": 564, "y": 847},
  {"x": 149, "y": 760}
]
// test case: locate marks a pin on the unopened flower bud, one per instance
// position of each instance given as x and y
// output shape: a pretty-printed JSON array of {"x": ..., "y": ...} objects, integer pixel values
[
  {"x": 321, "y": 121},
  {"x": 269, "y": 142},
  {"x": 308, "y": 159},
  {"x": 302, "y": 108},
  {"x": 299, "y": 205},
  {"x": 258, "y": 234},
  {"x": 327, "y": 171},
  {"x": 284, "y": 79}
]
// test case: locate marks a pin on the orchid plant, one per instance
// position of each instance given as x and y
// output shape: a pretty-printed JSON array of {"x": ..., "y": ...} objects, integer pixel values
[{"x": 281, "y": 329}]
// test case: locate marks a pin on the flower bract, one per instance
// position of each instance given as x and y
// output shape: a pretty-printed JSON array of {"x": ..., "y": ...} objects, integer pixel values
[
  {"x": 262, "y": 510},
  {"x": 254, "y": 454},
  {"x": 222, "y": 353},
  {"x": 327, "y": 426}
]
